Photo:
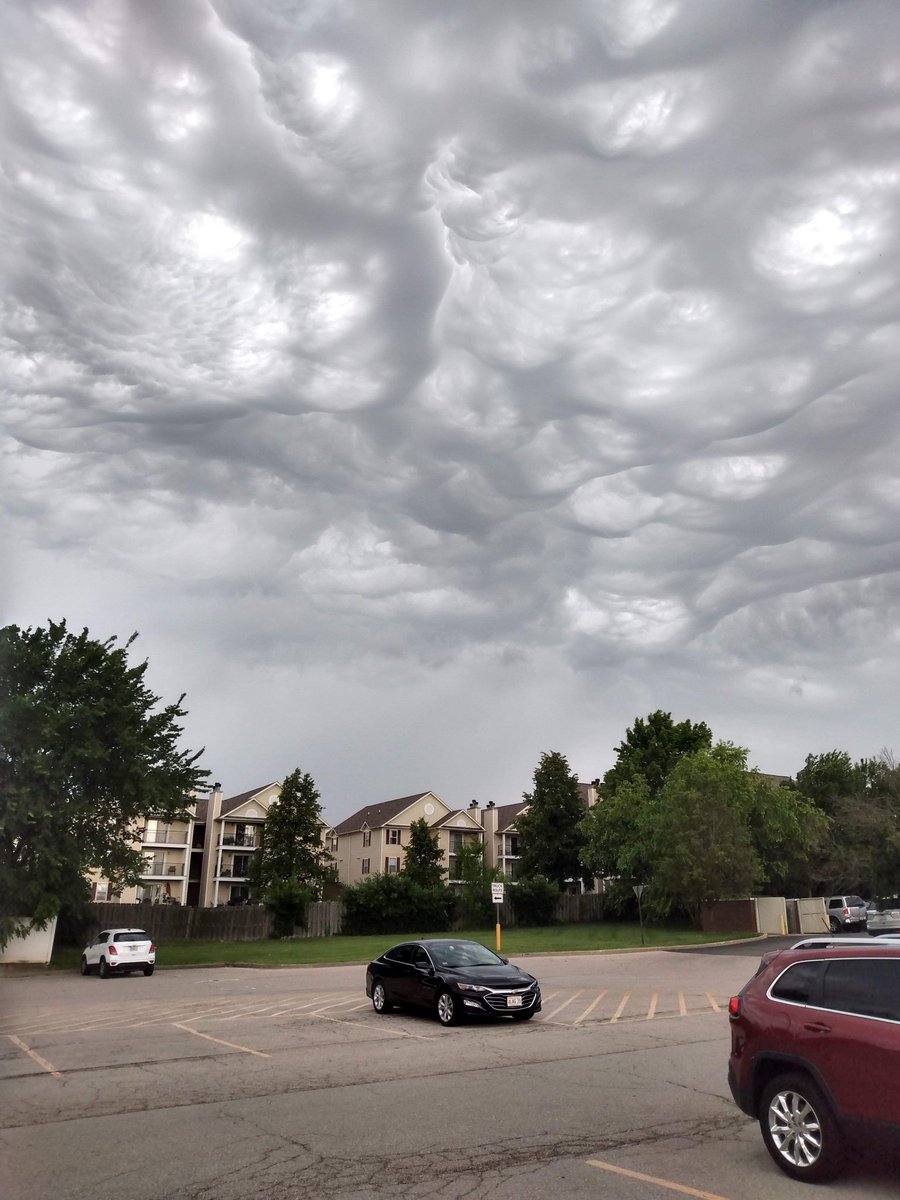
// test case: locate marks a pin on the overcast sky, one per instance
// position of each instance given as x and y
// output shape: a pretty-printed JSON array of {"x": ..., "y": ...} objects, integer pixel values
[{"x": 436, "y": 383}]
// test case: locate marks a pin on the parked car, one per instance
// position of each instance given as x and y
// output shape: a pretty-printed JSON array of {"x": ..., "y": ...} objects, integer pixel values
[
  {"x": 884, "y": 919},
  {"x": 846, "y": 912},
  {"x": 119, "y": 951},
  {"x": 453, "y": 978},
  {"x": 815, "y": 1050}
]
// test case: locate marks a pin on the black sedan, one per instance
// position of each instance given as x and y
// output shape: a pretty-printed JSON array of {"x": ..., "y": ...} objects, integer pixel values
[{"x": 452, "y": 978}]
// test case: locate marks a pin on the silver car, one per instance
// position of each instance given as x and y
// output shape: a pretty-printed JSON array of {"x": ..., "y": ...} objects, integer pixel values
[
  {"x": 846, "y": 912},
  {"x": 884, "y": 919}
]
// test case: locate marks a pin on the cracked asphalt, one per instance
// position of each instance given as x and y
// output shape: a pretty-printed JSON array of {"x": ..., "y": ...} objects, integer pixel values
[{"x": 224, "y": 1084}]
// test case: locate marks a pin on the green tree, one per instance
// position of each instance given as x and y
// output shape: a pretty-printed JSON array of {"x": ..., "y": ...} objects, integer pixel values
[
  {"x": 550, "y": 835},
  {"x": 651, "y": 749},
  {"x": 473, "y": 888},
  {"x": 615, "y": 834},
  {"x": 423, "y": 859},
  {"x": 291, "y": 851},
  {"x": 701, "y": 846},
  {"x": 85, "y": 756}
]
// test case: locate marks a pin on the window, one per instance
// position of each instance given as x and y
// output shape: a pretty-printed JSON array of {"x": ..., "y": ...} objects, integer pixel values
[
  {"x": 457, "y": 840},
  {"x": 367, "y": 837},
  {"x": 512, "y": 843},
  {"x": 392, "y": 837},
  {"x": 869, "y": 988},
  {"x": 366, "y": 866},
  {"x": 240, "y": 865},
  {"x": 799, "y": 984},
  {"x": 333, "y": 844},
  {"x": 392, "y": 866}
]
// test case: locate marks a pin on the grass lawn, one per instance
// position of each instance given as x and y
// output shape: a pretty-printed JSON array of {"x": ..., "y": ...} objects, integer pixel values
[{"x": 295, "y": 952}]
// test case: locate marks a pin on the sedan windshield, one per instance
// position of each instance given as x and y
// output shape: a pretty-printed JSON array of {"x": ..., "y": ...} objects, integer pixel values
[{"x": 463, "y": 954}]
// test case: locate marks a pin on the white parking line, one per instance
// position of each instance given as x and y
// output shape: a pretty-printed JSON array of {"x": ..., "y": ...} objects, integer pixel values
[
  {"x": 651, "y": 1011},
  {"x": 590, "y": 1008},
  {"x": 565, "y": 1004},
  {"x": 218, "y": 1041}
]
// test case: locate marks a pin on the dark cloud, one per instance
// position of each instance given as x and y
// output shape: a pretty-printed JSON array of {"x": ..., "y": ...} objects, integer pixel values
[{"x": 437, "y": 388}]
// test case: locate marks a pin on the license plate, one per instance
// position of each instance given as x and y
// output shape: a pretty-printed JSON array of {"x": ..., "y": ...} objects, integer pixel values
[
  {"x": 132, "y": 949},
  {"x": 513, "y": 1001}
]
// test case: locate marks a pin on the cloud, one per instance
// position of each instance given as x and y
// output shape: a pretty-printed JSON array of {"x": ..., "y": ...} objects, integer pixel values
[{"x": 445, "y": 346}]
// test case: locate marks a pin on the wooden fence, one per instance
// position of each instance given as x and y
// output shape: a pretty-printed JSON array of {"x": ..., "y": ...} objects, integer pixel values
[{"x": 245, "y": 923}]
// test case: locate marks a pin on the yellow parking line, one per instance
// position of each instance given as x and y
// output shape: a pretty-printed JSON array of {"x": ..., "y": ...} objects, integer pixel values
[
  {"x": 590, "y": 1008},
  {"x": 651, "y": 1011},
  {"x": 33, "y": 1054},
  {"x": 663, "y": 1183},
  {"x": 682, "y": 1005},
  {"x": 209, "y": 1038},
  {"x": 711, "y": 998},
  {"x": 565, "y": 1004},
  {"x": 622, "y": 1006}
]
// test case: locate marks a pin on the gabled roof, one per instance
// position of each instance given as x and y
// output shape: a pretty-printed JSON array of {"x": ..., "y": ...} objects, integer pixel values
[
  {"x": 233, "y": 802},
  {"x": 452, "y": 818},
  {"x": 506, "y": 815},
  {"x": 378, "y": 815}
]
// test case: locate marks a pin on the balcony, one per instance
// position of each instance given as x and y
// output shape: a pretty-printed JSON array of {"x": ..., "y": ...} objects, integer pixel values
[
  {"x": 164, "y": 837},
  {"x": 158, "y": 868},
  {"x": 238, "y": 843}
]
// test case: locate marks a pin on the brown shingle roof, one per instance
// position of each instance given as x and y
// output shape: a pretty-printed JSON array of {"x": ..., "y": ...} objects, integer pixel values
[
  {"x": 507, "y": 813},
  {"x": 377, "y": 815}
]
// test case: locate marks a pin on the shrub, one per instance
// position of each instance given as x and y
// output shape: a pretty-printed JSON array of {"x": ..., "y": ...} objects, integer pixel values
[
  {"x": 287, "y": 900},
  {"x": 534, "y": 900},
  {"x": 396, "y": 904}
]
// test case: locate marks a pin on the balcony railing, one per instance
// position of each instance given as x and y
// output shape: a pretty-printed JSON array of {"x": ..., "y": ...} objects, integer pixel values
[
  {"x": 159, "y": 866},
  {"x": 164, "y": 837},
  {"x": 238, "y": 843}
]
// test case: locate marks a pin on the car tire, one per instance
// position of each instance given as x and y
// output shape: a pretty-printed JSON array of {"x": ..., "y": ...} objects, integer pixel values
[
  {"x": 85, "y": 969},
  {"x": 104, "y": 969},
  {"x": 148, "y": 970},
  {"x": 835, "y": 925},
  {"x": 380, "y": 1001},
  {"x": 800, "y": 1130},
  {"x": 447, "y": 1010}
]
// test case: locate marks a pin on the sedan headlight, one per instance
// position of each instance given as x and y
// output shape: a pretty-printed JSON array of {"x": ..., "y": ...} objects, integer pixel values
[{"x": 472, "y": 987}]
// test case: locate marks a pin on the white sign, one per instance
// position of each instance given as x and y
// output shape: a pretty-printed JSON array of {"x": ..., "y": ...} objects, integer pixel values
[{"x": 497, "y": 893}]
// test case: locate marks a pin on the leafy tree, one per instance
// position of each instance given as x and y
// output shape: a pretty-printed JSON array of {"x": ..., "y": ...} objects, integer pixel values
[
  {"x": 85, "y": 757},
  {"x": 550, "y": 828},
  {"x": 423, "y": 859},
  {"x": 393, "y": 903},
  {"x": 828, "y": 779},
  {"x": 534, "y": 900},
  {"x": 291, "y": 849},
  {"x": 651, "y": 749},
  {"x": 287, "y": 900},
  {"x": 701, "y": 846},
  {"x": 615, "y": 833},
  {"x": 473, "y": 889}
]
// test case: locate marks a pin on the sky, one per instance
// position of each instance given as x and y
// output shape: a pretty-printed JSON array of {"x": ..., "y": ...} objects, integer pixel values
[{"x": 434, "y": 385}]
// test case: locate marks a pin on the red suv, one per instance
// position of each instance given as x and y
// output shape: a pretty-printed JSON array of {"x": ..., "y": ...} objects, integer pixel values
[{"x": 815, "y": 1050}]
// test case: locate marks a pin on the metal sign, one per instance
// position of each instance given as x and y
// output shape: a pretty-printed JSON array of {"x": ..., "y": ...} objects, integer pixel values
[
  {"x": 638, "y": 890},
  {"x": 497, "y": 893}
]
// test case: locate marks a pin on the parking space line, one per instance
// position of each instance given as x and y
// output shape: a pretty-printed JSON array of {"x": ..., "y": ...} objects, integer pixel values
[
  {"x": 33, "y": 1054},
  {"x": 682, "y": 1005},
  {"x": 669, "y": 1184},
  {"x": 565, "y": 1004},
  {"x": 711, "y": 998},
  {"x": 590, "y": 1008},
  {"x": 210, "y": 1038},
  {"x": 651, "y": 1011},
  {"x": 622, "y": 1006}
]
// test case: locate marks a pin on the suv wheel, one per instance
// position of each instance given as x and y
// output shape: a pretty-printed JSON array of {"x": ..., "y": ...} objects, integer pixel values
[
  {"x": 799, "y": 1129},
  {"x": 835, "y": 925}
]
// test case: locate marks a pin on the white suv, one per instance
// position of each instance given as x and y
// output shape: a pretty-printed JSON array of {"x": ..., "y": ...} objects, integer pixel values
[
  {"x": 847, "y": 912},
  {"x": 119, "y": 951}
]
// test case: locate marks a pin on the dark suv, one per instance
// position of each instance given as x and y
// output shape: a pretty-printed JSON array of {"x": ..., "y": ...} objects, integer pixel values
[{"x": 815, "y": 1050}]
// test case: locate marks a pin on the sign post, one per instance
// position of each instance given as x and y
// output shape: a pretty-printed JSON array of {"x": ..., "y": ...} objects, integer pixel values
[
  {"x": 638, "y": 890},
  {"x": 497, "y": 897}
]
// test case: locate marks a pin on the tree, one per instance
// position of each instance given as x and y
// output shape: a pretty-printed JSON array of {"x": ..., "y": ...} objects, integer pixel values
[
  {"x": 550, "y": 828},
  {"x": 474, "y": 879},
  {"x": 615, "y": 836},
  {"x": 85, "y": 757},
  {"x": 422, "y": 862},
  {"x": 651, "y": 749},
  {"x": 291, "y": 848}
]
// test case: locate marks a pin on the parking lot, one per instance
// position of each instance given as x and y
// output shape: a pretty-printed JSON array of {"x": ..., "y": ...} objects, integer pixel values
[{"x": 237, "y": 1083}]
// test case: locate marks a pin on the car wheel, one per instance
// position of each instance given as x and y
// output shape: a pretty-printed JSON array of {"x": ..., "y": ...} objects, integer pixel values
[
  {"x": 85, "y": 969},
  {"x": 835, "y": 925},
  {"x": 799, "y": 1130},
  {"x": 447, "y": 1012},
  {"x": 104, "y": 969},
  {"x": 380, "y": 1001},
  {"x": 148, "y": 970}
]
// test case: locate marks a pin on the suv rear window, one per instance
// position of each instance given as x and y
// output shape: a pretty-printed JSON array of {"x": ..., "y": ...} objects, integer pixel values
[
  {"x": 131, "y": 935},
  {"x": 799, "y": 983},
  {"x": 871, "y": 989}
]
